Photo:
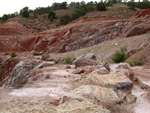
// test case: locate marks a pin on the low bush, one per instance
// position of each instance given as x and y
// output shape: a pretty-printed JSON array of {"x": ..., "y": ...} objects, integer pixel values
[
  {"x": 35, "y": 54},
  {"x": 135, "y": 62},
  {"x": 119, "y": 56},
  {"x": 13, "y": 54},
  {"x": 68, "y": 60}
]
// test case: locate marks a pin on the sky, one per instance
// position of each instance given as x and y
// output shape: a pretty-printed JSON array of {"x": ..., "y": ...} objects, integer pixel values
[{"x": 11, "y": 6}]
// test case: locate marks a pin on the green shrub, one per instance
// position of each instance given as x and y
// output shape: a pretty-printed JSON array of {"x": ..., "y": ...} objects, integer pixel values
[
  {"x": 119, "y": 56},
  {"x": 13, "y": 54},
  {"x": 135, "y": 62},
  {"x": 65, "y": 19},
  {"x": 35, "y": 54},
  {"x": 68, "y": 60},
  {"x": 25, "y": 12}
]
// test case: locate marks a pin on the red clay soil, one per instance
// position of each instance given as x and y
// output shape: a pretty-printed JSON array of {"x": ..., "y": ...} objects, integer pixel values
[{"x": 142, "y": 13}]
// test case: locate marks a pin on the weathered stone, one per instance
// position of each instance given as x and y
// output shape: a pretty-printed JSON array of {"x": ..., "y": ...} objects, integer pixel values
[
  {"x": 101, "y": 70},
  {"x": 106, "y": 96},
  {"x": 123, "y": 68},
  {"x": 85, "y": 62},
  {"x": 88, "y": 55}
]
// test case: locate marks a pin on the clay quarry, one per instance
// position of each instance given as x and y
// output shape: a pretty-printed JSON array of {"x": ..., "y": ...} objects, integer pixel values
[{"x": 67, "y": 69}]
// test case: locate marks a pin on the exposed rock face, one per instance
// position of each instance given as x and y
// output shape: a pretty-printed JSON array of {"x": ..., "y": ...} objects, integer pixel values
[
  {"x": 20, "y": 72},
  {"x": 85, "y": 62},
  {"x": 6, "y": 66}
]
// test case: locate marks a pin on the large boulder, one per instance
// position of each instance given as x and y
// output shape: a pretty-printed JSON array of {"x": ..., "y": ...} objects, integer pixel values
[
  {"x": 123, "y": 68},
  {"x": 85, "y": 62},
  {"x": 116, "y": 81},
  {"x": 93, "y": 94},
  {"x": 20, "y": 73},
  {"x": 80, "y": 107}
]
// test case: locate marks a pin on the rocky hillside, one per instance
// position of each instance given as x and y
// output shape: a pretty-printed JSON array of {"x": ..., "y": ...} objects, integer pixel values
[
  {"x": 42, "y": 23},
  {"x": 76, "y": 35}
]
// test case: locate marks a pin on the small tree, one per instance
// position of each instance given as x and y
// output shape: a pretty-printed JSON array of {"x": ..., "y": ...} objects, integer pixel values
[
  {"x": 25, "y": 12},
  {"x": 114, "y": 1},
  {"x": 51, "y": 15},
  {"x": 131, "y": 5},
  {"x": 101, "y": 6},
  {"x": 63, "y": 5}
]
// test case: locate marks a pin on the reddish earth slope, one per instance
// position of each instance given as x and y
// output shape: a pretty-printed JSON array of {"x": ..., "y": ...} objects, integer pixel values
[
  {"x": 12, "y": 28},
  {"x": 142, "y": 13},
  {"x": 76, "y": 35}
]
